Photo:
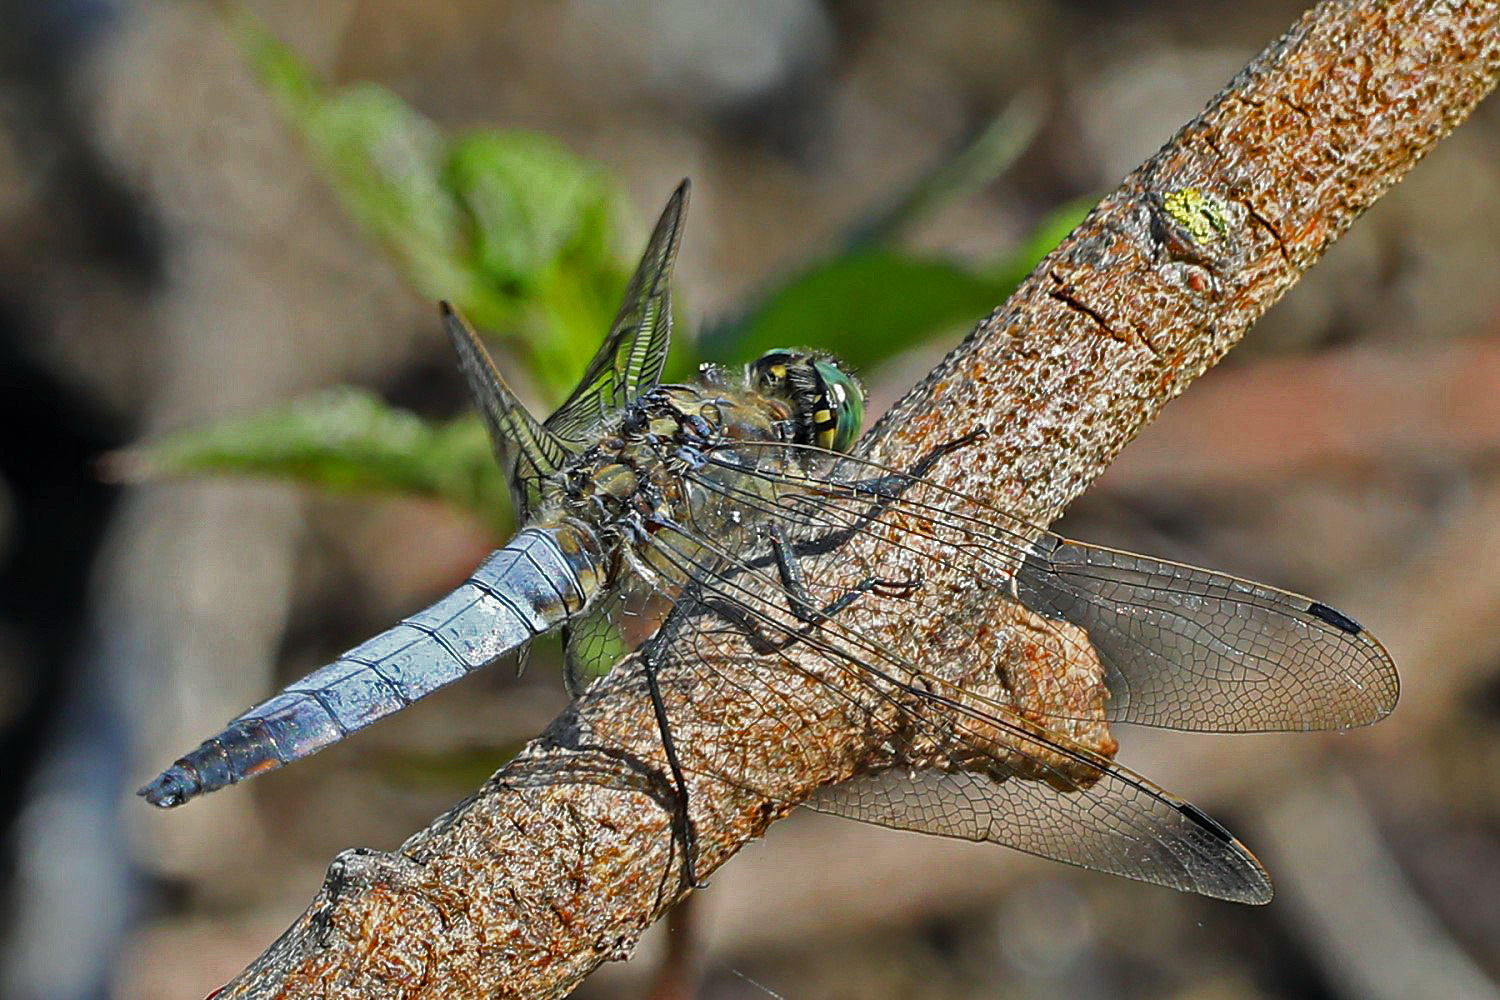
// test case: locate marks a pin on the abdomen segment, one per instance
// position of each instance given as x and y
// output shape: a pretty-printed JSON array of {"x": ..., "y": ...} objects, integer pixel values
[{"x": 532, "y": 585}]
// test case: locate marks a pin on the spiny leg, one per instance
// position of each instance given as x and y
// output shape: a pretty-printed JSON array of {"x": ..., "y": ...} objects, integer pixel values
[
  {"x": 891, "y": 485},
  {"x": 881, "y": 492},
  {"x": 802, "y": 605},
  {"x": 686, "y": 831},
  {"x": 801, "y": 602}
]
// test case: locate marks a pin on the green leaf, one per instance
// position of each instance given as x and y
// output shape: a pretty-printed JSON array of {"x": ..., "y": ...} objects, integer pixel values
[
  {"x": 530, "y": 203},
  {"x": 386, "y": 164},
  {"x": 440, "y": 772},
  {"x": 541, "y": 223},
  {"x": 863, "y": 306},
  {"x": 383, "y": 160},
  {"x": 979, "y": 161},
  {"x": 1056, "y": 225},
  {"x": 342, "y": 440},
  {"x": 512, "y": 226},
  {"x": 520, "y": 233}
]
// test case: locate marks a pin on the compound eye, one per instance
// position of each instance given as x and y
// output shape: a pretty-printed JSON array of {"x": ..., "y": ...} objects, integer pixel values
[
  {"x": 843, "y": 405},
  {"x": 770, "y": 371}
]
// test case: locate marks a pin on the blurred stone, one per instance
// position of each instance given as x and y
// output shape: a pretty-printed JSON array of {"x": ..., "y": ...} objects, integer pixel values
[
  {"x": 15, "y": 192},
  {"x": 716, "y": 55},
  {"x": 1043, "y": 928},
  {"x": 1130, "y": 97}
]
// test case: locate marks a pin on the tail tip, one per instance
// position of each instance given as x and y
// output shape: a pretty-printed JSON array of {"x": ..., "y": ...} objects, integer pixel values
[{"x": 172, "y": 787}]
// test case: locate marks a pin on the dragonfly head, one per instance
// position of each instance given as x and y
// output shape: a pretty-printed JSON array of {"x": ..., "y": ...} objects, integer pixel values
[{"x": 828, "y": 403}]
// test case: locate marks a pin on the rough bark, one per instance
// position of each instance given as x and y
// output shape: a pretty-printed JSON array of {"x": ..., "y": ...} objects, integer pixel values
[{"x": 568, "y": 853}]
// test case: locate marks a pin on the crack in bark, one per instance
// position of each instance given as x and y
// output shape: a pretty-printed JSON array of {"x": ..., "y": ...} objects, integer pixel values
[
  {"x": 1298, "y": 109},
  {"x": 1284, "y": 101},
  {"x": 1275, "y": 236},
  {"x": 1072, "y": 302}
]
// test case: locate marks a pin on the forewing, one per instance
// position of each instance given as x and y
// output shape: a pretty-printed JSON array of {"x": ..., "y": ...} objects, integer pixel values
[
  {"x": 631, "y": 358},
  {"x": 1188, "y": 648},
  {"x": 1183, "y": 648}
]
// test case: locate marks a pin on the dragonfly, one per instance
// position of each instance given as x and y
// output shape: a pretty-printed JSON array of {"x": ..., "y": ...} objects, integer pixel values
[{"x": 662, "y": 520}]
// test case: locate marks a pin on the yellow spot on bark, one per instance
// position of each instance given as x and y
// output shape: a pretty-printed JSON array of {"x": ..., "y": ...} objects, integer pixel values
[{"x": 1200, "y": 214}]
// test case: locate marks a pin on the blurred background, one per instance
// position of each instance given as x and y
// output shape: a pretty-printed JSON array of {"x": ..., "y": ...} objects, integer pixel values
[{"x": 214, "y": 217}]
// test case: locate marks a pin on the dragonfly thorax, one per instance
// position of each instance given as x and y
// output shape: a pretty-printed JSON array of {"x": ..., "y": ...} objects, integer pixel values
[{"x": 635, "y": 473}]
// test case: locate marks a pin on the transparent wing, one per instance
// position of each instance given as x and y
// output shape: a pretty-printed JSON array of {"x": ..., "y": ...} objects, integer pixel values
[
  {"x": 524, "y": 446},
  {"x": 1181, "y": 647},
  {"x": 937, "y": 761},
  {"x": 631, "y": 358},
  {"x": 1188, "y": 648},
  {"x": 617, "y": 623},
  {"x": 1122, "y": 825}
]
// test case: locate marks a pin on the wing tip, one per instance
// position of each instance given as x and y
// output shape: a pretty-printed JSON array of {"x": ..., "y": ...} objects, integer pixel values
[
  {"x": 1384, "y": 701},
  {"x": 454, "y": 322},
  {"x": 460, "y": 334},
  {"x": 670, "y": 223},
  {"x": 1251, "y": 884},
  {"x": 1255, "y": 887},
  {"x": 1379, "y": 683},
  {"x": 1259, "y": 892},
  {"x": 1386, "y": 681},
  {"x": 1390, "y": 695}
]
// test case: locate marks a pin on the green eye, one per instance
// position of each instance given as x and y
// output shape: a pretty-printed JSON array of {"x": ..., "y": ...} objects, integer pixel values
[
  {"x": 828, "y": 402},
  {"x": 845, "y": 401}
]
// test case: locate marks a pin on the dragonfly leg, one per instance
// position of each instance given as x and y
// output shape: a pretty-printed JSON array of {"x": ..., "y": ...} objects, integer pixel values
[
  {"x": 880, "y": 492},
  {"x": 801, "y": 602},
  {"x": 687, "y": 833},
  {"x": 894, "y": 484}
]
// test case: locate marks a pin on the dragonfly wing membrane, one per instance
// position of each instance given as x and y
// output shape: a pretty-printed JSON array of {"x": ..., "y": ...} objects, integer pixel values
[
  {"x": 631, "y": 359},
  {"x": 522, "y": 444},
  {"x": 955, "y": 765},
  {"x": 1183, "y": 647},
  {"x": 1188, "y": 648},
  {"x": 1120, "y": 825}
]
